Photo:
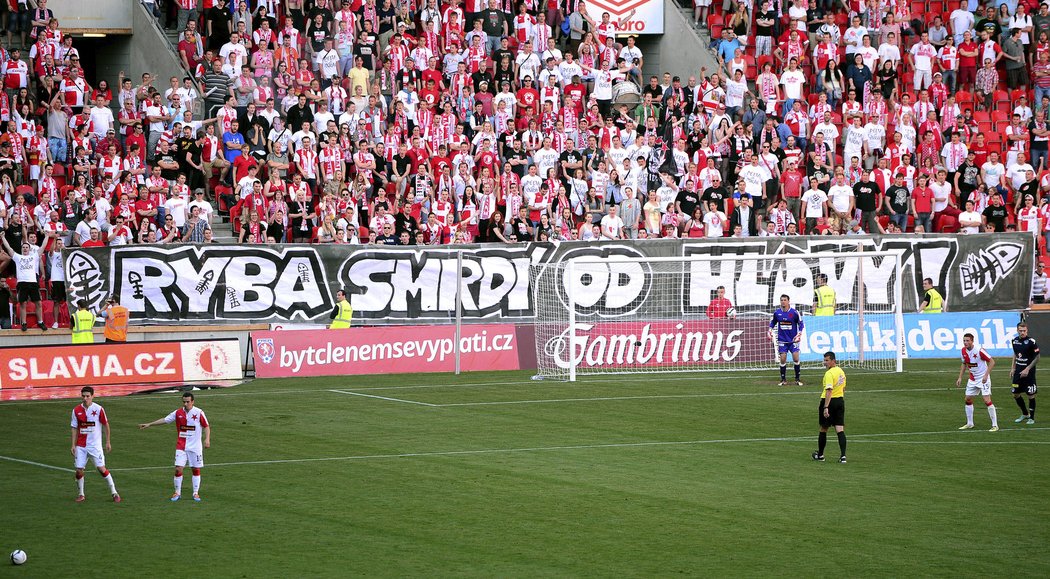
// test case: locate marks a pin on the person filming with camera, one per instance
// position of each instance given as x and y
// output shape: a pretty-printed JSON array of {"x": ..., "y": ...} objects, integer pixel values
[{"x": 116, "y": 321}]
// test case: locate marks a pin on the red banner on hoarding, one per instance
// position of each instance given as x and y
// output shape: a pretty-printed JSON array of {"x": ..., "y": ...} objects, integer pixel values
[
  {"x": 383, "y": 350},
  {"x": 662, "y": 343},
  {"x": 129, "y": 363}
]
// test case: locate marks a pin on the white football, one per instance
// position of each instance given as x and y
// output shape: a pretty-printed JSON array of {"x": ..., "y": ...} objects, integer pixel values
[
  {"x": 18, "y": 557},
  {"x": 731, "y": 313}
]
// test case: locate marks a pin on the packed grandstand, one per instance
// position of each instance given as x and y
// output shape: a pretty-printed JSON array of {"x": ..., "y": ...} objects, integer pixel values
[{"x": 405, "y": 123}]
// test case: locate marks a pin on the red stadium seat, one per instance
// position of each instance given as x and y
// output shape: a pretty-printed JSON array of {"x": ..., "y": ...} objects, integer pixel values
[
  {"x": 982, "y": 116},
  {"x": 1000, "y": 117},
  {"x": 712, "y": 20},
  {"x": 1001, "y": 98}
]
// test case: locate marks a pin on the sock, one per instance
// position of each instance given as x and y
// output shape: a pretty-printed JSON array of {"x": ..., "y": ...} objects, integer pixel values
[
  {"x": 1031, "y": 408},
  {"x": 822, "y": 441},
  {"x": 842, "y": 443},
  {"x": 196, "y": 479},
  {"x": 1020, "y": 403},
  {"x": 798, "y": 372},
  {"x": 783, "y": 372},
  {"x": 969, "y": 414},
  {"x": 178, "y": 485},
  {"x": 80, "y": 484},
  {"x": 991, "y": 414},
  {"x": 109, "y": 481}
]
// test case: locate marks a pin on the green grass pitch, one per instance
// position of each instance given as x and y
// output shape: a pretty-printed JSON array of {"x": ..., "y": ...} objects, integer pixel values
[{"x": 495, "y": 475}]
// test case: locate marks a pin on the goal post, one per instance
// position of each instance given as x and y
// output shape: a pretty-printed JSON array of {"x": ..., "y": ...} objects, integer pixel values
[{"x": 707, "y": 312}]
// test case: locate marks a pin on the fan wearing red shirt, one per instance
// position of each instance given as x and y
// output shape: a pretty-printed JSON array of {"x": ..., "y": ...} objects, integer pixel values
[
  {"x": 440, "y": 161},
  {"x": 791, "y": 182},
  {"x": 527, "y": 95},
  {"x": 980, "y": 150},
  {"x": 577, "y": 92},
  {"x": 417, "y": 155},
  {"x": 720, "y": 305},
  {"x": 430, "y": 94},
  {"x": 145, "y": 210},
  {"x": 967, "y": 62},
  {"x": 485, "y": 158},
  {"x": 922, "y": 204}
]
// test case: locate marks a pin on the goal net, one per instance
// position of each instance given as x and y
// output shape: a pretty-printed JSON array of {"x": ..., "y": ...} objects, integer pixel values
[{"x": 621, "y": 316}]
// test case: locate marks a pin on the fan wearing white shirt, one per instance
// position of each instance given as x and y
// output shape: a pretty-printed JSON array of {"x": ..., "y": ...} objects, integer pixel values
[
  {"x": 922, "y": 55},
  {"x": 714, "y": 221},
  {"x": 814, "y": 205},
  {"x": 969, "y": 220},
  {"x": 889, "y": 51},
  {"x": 612, "y": 225},
  {"x": 856, "y": 140},
  {"x": 842, "y": 200}
]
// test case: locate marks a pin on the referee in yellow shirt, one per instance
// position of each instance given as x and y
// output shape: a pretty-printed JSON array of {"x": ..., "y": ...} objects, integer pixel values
[{"x": 832, "y": 409}]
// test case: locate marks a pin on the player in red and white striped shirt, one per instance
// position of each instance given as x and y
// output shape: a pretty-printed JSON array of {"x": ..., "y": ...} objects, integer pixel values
[
  {"x": 86, "y": 423},
  {"x": 977, "y": 365},
  {"x": 194, "y": 435}
]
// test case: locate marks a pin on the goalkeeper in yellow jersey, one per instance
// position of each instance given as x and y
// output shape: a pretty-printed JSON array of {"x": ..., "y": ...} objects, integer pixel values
[{"x": 832, "y": 409}]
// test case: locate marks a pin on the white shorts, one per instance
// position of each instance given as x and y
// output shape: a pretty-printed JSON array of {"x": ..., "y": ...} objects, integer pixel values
[
  {"x": 195, "y": 459},
  {"x": 81, "y": 458},
  {"x": 975, "y": 387}
]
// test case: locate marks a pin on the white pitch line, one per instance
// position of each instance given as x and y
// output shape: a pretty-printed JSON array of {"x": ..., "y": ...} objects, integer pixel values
[
  {"x": 1022, "y": 442},
  {"x": 384, "y": 398},
  {"x": 660, "y": 396},
  {"x": 586, "y": 381},
  {"x": 806, "y": 438},
  {"x": 40, "y": 464}
]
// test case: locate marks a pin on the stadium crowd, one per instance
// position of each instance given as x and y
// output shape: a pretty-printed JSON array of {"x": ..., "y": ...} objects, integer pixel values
[{"x": 405, "y": 122}]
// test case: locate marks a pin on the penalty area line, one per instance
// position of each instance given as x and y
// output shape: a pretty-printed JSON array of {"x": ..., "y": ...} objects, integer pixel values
[
  {"x": 483, "y": 451},
  {"x": 384, "y": 398},
  {"x": 678, "y": 396}
]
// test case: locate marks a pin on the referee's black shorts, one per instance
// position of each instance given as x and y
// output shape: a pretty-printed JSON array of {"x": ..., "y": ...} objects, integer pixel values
[{"x": 836, "y": 413}]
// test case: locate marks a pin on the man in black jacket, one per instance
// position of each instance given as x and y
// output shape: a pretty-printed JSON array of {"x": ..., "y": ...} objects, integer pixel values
[{"x": 744, "y": 216}]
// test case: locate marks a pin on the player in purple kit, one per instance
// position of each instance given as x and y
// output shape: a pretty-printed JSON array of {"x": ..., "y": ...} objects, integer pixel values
[{"x": 786, "y": 330}]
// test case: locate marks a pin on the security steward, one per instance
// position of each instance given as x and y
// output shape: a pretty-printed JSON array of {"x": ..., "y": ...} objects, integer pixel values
[
  {"x": 83, "y": 322},
  {"x": 342, "y": 313},
  {"x": 932, "y": 301},
  {"x": 116, "y": 321},
  {"x": 823, "y": 297}
]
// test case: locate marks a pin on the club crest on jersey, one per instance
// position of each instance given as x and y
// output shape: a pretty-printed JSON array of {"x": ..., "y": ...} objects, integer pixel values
[{"x": 264, "y": 347}]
